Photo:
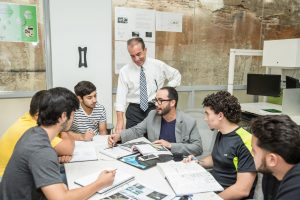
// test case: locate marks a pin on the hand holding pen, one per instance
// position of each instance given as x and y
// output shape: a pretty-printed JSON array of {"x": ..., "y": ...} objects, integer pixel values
[
  {"x": 113, "y": 139},
  {"x": 89, "y": 134},
  {"x": 189, "y": 158}
]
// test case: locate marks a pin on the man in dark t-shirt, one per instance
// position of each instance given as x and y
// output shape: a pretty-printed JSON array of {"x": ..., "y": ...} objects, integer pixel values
[
  {"x": 276, "y": 151},
  {"x": 231, "y": 160},
  {"x": 231, "y": 154},
  {"x": 33, "y": 170}
]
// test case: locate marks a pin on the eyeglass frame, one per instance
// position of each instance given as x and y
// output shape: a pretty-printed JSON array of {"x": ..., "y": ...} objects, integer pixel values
[{"x": 155, "y": 100}]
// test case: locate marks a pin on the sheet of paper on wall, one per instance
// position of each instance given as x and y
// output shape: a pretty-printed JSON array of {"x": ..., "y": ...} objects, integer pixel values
[
  {"x": 122, "y": 56},
  {"x": 131, "y": 22},
  {"x": 139, "y": 192},
  {"x": 121, "y": 178},
  {"x": 84, "y": 151},
  {"x": 168, "y": 21},
  {"x": 188, "y": 178}
]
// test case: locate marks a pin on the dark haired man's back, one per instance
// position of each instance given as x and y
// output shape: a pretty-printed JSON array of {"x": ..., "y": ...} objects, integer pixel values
[{"x": 34, "y": 164}]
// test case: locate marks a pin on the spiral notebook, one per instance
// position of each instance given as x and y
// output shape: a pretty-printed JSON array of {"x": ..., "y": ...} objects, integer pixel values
[{"x": 121, "y": 178}]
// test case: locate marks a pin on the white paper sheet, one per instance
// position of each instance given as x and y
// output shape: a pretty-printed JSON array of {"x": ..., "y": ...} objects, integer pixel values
[
  {"x": 84, "y": 151},
  {"x": 168, "y": 21}
]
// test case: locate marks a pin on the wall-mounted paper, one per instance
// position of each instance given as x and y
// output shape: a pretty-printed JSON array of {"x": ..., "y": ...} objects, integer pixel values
[
  {"x": 130, "y": 22},
  {"x": 168, "y": 21},
  {"x": 18, "y": 23}
]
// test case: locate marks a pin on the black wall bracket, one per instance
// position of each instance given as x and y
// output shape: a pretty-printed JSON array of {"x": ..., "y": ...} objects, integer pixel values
[{"x": 82, "y": 53}]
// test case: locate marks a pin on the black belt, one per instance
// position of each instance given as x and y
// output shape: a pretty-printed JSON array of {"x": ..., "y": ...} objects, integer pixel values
[{"x": 138, "y": 105}]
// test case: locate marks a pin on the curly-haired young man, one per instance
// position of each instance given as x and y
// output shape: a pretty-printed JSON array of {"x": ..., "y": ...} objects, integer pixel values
[
  {"x": 231, "y": 160},
  {"x": 276, "y": 151}
]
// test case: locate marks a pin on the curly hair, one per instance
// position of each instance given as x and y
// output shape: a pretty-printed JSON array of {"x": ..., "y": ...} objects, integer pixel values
[
  {"x": 278, "y": 134},
  {"x": 226, "y": 103}
]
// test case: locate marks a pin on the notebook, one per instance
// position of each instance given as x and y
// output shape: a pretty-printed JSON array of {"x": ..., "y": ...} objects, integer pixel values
[
  {"x": 84, "y": 151},
  {"x": 188, "y": 178},
  {"x": 115, "y": 152},
  {"x": 121, "y": 178}
]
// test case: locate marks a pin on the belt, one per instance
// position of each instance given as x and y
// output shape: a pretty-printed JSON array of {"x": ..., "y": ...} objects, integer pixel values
[{"x": 137, "y": 104}]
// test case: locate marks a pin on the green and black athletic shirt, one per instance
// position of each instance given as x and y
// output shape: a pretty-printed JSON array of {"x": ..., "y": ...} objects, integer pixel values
[{"x": 232, "y": 154}]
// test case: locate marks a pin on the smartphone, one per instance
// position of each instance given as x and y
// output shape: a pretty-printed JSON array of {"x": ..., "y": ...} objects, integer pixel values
[{"x": 148, "y": 157}]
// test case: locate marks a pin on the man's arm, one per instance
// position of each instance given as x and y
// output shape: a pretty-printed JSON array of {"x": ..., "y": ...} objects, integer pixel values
[
  {"x": 120, "y": 122},
  {"x": 60, "y": 191},
  {"x": 134, "y": 132},
  {"x": 173, "y": 75},
  {"x": 241, "y": 188},
  {"x": 191, "y": 140},
  {"x": 102, "y": 128},
  {"x": 87, "y": 136},
  {"x": 122, "y": 92},
  {"x": 206, "y": 162},
  {"x": 66, "y": 146}
]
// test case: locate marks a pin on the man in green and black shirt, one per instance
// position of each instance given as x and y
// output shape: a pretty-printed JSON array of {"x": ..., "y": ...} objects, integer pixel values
[{"x": 231, "y": 160}]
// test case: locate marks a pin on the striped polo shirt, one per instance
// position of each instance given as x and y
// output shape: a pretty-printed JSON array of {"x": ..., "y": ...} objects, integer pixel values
[{"x": 82, "y": 122}]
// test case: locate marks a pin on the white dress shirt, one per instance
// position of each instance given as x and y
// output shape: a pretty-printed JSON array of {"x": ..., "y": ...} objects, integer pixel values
[{"x": 156, "y": 73}]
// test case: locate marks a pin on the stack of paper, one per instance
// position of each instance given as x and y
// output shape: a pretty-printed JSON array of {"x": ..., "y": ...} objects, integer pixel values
[{"x": 188, "y": 178}]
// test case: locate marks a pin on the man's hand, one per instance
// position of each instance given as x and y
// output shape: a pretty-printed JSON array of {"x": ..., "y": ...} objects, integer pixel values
[
  {"x": 64, "y": 159},
  {"x": 163, "y": 143},
  {"x": 89, "y": 134},
  {"x": 107, "y": 177},
  {"x": 188, "y": 159},
  {"x": 113, "y": 139}
]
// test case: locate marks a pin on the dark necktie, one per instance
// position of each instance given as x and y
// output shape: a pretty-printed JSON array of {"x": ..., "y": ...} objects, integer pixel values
[{"x": 143, "y": 91}]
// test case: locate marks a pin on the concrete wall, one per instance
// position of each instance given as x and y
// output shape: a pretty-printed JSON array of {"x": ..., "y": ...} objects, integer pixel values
[{"x": 11, "y": 110}]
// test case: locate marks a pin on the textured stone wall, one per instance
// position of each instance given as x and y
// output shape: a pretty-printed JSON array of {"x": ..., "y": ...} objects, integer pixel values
[{"x": 201, "y": 51}]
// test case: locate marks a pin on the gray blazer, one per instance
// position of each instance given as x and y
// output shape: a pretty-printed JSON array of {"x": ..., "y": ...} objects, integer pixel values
[{"x": 188, "y": 140}]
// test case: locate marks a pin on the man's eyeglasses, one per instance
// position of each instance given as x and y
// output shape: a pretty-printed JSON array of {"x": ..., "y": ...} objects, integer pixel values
[{"x": 160, "y": 101}]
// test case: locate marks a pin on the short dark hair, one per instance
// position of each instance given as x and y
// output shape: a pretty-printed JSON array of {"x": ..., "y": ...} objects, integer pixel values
[
  {"x": 55, "y": 101},
  {"x": 278, "y": 134},
  {"x": 35, "y": 102},
  {"x": 172, "y": 94},
  {"x": 226, "y": 103},
  {"x": 135, "y": 40},
  {"x": 84, "y": 88}
]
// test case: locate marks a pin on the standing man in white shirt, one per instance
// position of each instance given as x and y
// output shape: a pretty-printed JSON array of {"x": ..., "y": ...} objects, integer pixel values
[{"x": 138, "y": 82}]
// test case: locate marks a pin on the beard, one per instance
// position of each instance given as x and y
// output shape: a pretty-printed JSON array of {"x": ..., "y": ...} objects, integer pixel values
[
  {"x": 92, "y": 106},
  {"x": 164, "y": 111},
  {"x": 64, "y": 126},
  {"x": 263, "y": 167}
]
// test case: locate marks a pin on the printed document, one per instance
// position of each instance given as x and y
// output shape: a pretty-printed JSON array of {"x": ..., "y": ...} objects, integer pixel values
[
  {"x": 188, "y": 178},
  {"x": 84, "y": 151}
]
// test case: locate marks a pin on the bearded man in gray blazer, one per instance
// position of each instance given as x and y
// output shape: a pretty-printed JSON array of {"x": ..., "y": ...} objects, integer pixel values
[{"x": 166, "y": 126}]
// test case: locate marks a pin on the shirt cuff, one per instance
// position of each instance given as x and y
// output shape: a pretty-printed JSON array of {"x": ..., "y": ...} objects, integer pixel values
[{"x": 120, "y": 108}]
